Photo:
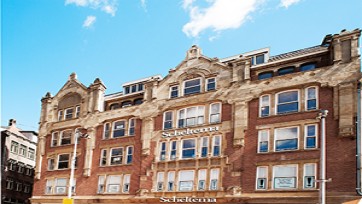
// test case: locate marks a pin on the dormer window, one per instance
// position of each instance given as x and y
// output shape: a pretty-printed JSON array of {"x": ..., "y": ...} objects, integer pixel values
[
  {"x": 126, "y": 90},
  {"x": 133, "y": 88},
  {"x": 192, "y": 86},
  {"x": 258, "y": 59}
]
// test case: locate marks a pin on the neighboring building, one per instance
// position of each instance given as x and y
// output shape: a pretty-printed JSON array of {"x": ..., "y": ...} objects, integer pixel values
[
  {"x": 18, "y": 150},
  {"x": 242, "y": 129}
]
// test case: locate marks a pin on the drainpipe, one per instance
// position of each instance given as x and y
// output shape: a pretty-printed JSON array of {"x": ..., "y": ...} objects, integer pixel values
[{"x": 358, "y": 140}]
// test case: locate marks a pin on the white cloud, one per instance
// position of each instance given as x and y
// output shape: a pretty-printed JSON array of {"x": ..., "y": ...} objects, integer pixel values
[
  {"x": 287, "y": 3},
  {"x": 89, "y": 21},
  {"x": 108, "y": 6},
  {"x": 220, "y": 15},
  {"x": 144, "y": 5}
]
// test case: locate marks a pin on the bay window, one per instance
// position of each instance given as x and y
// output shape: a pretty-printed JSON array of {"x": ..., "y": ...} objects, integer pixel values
[
  {"x": 287, "y": 102},
  {"x": 262, "y": 177},
  {"x": 201, "y": 184},
  {"x": 186, "y": 180},
  {"x": 286, "y": 138},
  {"x": 188, "y": 148},
  {"x": 285, "y": 176},
  {"x": 118, "y": 129},
  {"x": 191, "y": 116},
  {"x": 215, "y": 113},
  {"x": 116, "y": 156},
  {"x": 264, "y": 105},
  {"x": 192, "y": 86},
  {"x": 311, "y": 98},
  {"x": 170, "y": 180},
  {"x": 309, "y": 175},
  {"x": 167, "y": 120},
  {"x": 263, "y": 138}
]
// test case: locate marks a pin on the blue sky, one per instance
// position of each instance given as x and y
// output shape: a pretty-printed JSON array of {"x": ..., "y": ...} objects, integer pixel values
[{"x": 44, "y": 41}]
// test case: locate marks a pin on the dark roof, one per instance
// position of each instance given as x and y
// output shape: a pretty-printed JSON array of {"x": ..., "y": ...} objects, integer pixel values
[{"x": 297, "y": 53}]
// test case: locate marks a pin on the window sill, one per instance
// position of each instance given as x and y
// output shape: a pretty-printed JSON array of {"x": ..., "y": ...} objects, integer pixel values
[
  {"x": 287, "y": 151},
  {"x": 115, "y": 165},
  {"x": 188, "y": 159},
  {"x": 114, "y": 138},
  {"x": 289, "y": 113}
]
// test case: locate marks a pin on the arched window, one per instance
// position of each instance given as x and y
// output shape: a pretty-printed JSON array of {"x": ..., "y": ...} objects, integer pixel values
[
  {"x": 138, "y": 101},
  {"x": 126, "y": 104},
  {"x": 307, "y": 66},
  {"x": 265, "y": 75},
  {"x": 114, "y": 106},
  {"x": 286, "y": 70}
]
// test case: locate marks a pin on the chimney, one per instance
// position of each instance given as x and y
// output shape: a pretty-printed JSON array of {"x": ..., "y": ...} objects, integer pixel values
[{"x": 12, "y": 122}]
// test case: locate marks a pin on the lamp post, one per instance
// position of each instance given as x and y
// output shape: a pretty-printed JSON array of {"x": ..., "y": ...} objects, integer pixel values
[
  {"x": 322, "y": 189},
  {"x": 78, "y": 134}
]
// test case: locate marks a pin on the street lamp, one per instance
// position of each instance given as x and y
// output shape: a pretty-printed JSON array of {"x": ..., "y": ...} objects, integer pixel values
[
  {"x": 79, "y": 133},
  {"x": 322, "y": 179}
]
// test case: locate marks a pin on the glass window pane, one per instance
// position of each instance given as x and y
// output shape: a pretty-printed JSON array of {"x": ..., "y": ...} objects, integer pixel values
[
  {"x": 288, "y": 97},
  {"x": 306, "y": 67}
]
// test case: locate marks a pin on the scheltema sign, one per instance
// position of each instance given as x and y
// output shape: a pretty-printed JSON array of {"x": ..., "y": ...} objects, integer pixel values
[{"x": 189, "y": 131}]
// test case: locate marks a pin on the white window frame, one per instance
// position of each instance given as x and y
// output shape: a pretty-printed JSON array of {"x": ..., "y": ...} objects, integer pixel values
[
  {"x": 60, "y": 115},
  {"x": 164, "y": 120},
  {"x": 103, "y": 157},
  {"x": 314, "y": 166},
  {"x": 201, "y": 144},
  {"x": 162, "y": 152},
  {"x": 196, "y": 117},
  {"x": 51, "y": 163},
  {"x": 23, "y": 150},
  {"x": 105, "y": 130},
  {"x": 101, "y": 187},
  {"x": 56, "y": 186},
  {"x": 306, "y": 136},
  {"x": 128, "y": 154},
  {"x": 61, "y": 133},
  {"x": 160, "y": 181},
  {"x": 207, "y": 83},
  {"x": 66, "y": 114},
  {"x": 114, "y": 126},
  {"x": 184, "y": 87},
  {"x": 307, "y": 99},
  {"x": 191, "y": 180},
  {"x": 214, "y": 145},
  {"x": 77, "y": 111},
  {"x": 194, "y": 148},
  {"x": 31, "y": 153},
  {"x": 14, "y": 147},
  {"x": 126, "y": 183},
  {"x": 260, "y": 134},
  {"x": 261, "y": 106},
  {"x": 171, "y": 180},
  {"x": 201, "y": 179},
  {"x": 213, "y": 178},
  {"x": 49, "y": 186},
  {"x": 121, "y": 156},
  {"x": 276, "y": 136},
  {"x": 113, "y": 183},
  {"x": 260, "y": 177},
  {"x": 55, "y": 139},
  {"x": 131, "y": 125},
  {"x": 219, "y": 113},
  {"x": 173, "y": 150},
  {"x": 277, "y": 102},
  {"x": 178, "y": 91},
  {"x": 296, "y": 176},
  {"x": 68, "y": 161}
]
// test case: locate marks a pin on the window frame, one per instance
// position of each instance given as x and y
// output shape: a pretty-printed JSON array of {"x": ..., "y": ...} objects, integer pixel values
[
  {"x": 173, "y": 152},
  {"x": 66, "y": 114},
  {"x": 105, "y": 132},
  {"x": 216, "y": 187},
  {"x": 297, "y": 137},
  {"x": 120, "y": 129},
  {"x": 194, "y": 79},
  {"x": 113, "y": 183},
  {"x": 259, "y": 140},
  {"x": 65, "y": 161},
  {"x": 171, "y": 180},
  {"x": 23, "y": 150},
  {"x": 261, "y": 106},
  {"x": 162, "y": 151},
  {"x": 131, "y": 127},
  {"x": 129, "y": 155},
  {"x": 214, "y": 145},
  {"x": 202, "y": 146},
  {"x": 186, "y": 117},
  {"x": 160, "y": 180},
  {"x": 306, "y": 99},
  {"x": 295, "y": 177},
  {"x": 201, "y": 182},
  {"x": 121, "y": 155},
  {"x": 14, "y": 147},
  {"x": 194, "y": 148},
  {"x": 209, "y": 83},
  {"x": 277, "y": 102},
  {"x": 305, "y": 176},
  {"x": 103, "y": 157},
  {"x": 167, "y": 121},
  {"x": 60, "y": 115},
  {"x": 261, "y": 77},
  {"x": 55, "y": 139},
  {"x": 192, "y": 180},
  {"x": 172, "y": 90},
  {"x": 77, "y": 111},
  {"x": 315, "y": 136},
  {"x": 218, "y": 113},
  {"x": 51, "y": 164},
  {"x": 56, "y": 186},
  {"x": 259, "y": 177},
  {"x": 306, "y": 65},
  {"x": 31, "y": 153},
  {"x": 126, "y": 183}
]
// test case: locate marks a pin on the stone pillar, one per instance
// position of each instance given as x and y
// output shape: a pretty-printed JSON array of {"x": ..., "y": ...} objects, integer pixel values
[
  {"x": 45, "y": 107},
  {"x": 247, "y": 70},
  {"x": 347, "y": 109},
  {"x": 97, "y": 96},
  {"x": 88, "y": 157},
  {"x": 240, "y": 122},
  {"x": 39, "y": 156},
  {"x": 146, "y": 135}
]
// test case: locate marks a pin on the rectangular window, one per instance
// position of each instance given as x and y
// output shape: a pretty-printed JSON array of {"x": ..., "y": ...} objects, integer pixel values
[
  {"x": 286, "y": 138},
  {"x": 126, "y": 90},
  {"x": 261, "y": 177},
  {"x": 60, "y": 115},
  {"x": 12, "y": 165},
  {"x": 131, "y": 127},
  {"x": 134, "y": 88},
  {"x": 74, "y": 184},
  {"x": 19, "y": 186},
  {"x": 9, "y": 183},
  {"x": 192, "y": 86},
  {"x": 26, "y": 188},
  {"x": 22, "y": 151},
  {"x": 129, "y": 154},
  {"x": 285, "y": 177},
  {"x": 116, "y": 156},
  {"x": 310, "y": 136},
  {"x": 51, "y": 164},
  {"x": 160, "y": 179},
  {"x": 173, "y": 150},
  {"x": 103, "y": 160},
  {"x": 68, "y": 113},
  {"x": 140, "y": 87},
  {"x": 264, "y": 106},
  {"x": 60, "y": 185},
  {"x": 31, "y": 154},
  {"x": 216, "y": 146},
  {"x": 258, "y": 59},
  {"x": 210, "y": 84},
  {"x": 100, "y": 188},
  {"x": 188, "y": 148},
  {"x": 107, "y": 130},
  {"x": 49, "y": 186},
  {"x": 215, "y": 113},
  {"x": 186, "y": 180},
  {"x": 162, "y": 151},
  {"x": 263, "y": 144},
  {"x": 170, "y": 180},
  {"x": 113, "y": 184},
  {"x": 118, "y": 129},
  {"x": 14, "y": 147},
  {"x": 167, "y": 120},
  {"x": 21, "y": 167},
  {"x": 66, "y": 137},
  {"x": 287, "y": 102},
  {"x": 191, "y": 116},
  {"x": 63, "y": 161},
  {"x": 311, "y": 98},
  {"x": 204, "y": 147},
  {"x": 77, "y": 111},
  {"x": 55, "y": 136},
  {"x": 201, "y": 180},
  {"x": 126, "y": 183},
  {"x": 309, "y": 175},
  {"x": 214, "y": 179},
  {"x": 173, "y": 91}
]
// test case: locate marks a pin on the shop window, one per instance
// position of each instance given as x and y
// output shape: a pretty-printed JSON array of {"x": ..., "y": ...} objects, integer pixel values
[
  {"x": 210, "y": 84},
  {"x": 186, "y": 180},
  {"x": 307, "y": 67},
  {"x": 215, "y": 110},
  {"x": 285, "y": 177},
  {"x": 310, "y": 136},
  {"x": 192, "y": 86},
  {"x": 263, "y": 144},
  {"x": 262, "y": 177},
  {"x": 265, "y": 75},
  {"x": 188, "y": 148},
  {"x": 201, "y": 186},
  {"x": 191, "y": 116},
  {"x": 113, "y": 184},
  {"x": 264, "y": 104},
  {"x": 311, "y": 98},
  {"x": 173, "y": 91},
  {"x": 118, "y": 129},
  {"x": 287, "y": 102},
  {"x": 63, "y": 161},
  {"x": 160, "y": 180},
  {"x": 309, "y": 176},
  {"x": 167, "y": 120},
  {"x": 116, "y": 156},
  {"x": 286, "y": 139},
  {"x": 170, "y": 180},
  {"x": 286, "y": 70}
]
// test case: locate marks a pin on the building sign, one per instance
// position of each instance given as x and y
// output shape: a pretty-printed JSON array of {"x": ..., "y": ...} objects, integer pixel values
[
  {"x": 188, "y": 131},
  {"x": 288, "y": 182}
]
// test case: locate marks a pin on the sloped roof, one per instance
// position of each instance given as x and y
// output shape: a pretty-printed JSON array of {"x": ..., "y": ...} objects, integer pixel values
[{"x": 298, "y": 53}]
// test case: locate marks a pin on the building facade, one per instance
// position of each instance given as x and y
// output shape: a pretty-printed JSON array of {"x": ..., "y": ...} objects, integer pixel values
[
  {"x": 243, "y": 129},
  {"x": 18, "y": 150}
]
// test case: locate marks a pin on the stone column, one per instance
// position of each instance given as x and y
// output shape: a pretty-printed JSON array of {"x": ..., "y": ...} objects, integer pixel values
[{"x": 90, "y": 145}]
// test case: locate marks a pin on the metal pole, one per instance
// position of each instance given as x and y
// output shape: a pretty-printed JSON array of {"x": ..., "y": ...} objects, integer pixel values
[
  {"x": 72, "y": 167},
  {"x": 322, "y": 188}
]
